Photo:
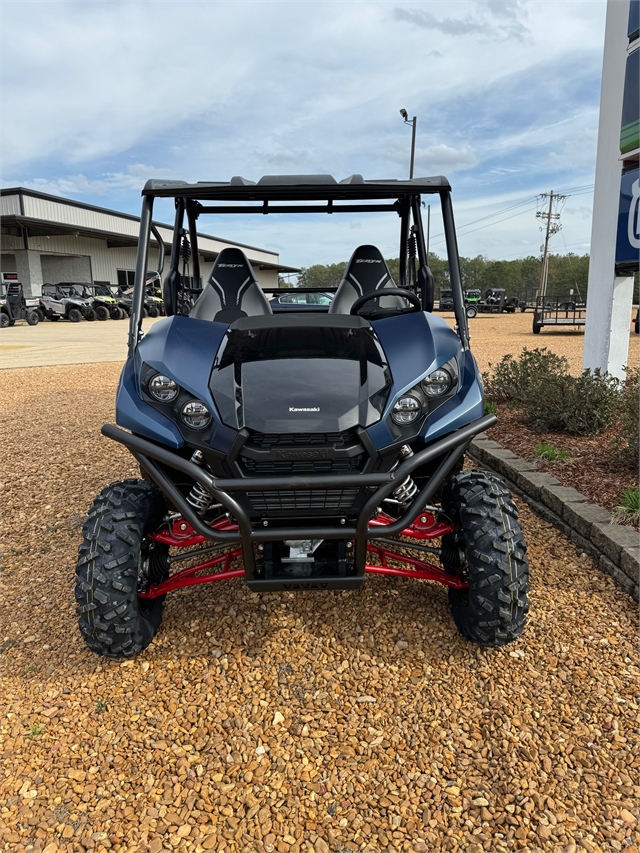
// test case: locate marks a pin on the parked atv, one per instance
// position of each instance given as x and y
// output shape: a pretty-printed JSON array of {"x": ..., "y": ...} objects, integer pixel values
[
  {"x": 65, "y": 301},
  {"x": 295, "y": 449},
  {"x": 14, "y": 306},
  {"x": 102, "y": 301}
]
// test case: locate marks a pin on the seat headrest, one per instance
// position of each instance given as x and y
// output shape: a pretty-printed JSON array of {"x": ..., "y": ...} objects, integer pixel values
[
  {"x": 232, "y": 265},
  {"x": 367, "y": 270}
]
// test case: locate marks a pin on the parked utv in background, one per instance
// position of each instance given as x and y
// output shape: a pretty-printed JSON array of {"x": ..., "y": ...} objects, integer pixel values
[
  {"x": 102, "y": 301},
  {"x": 153, "y": 295},
  {"x": 67, "y": 302},
  {"x": 445, "y": 302},
  {"x": 495, "y": 301},
  {"x": 124, "y": 296},
  {"x": 294, "y": 449},
  {"x": 14, "y": 306}
]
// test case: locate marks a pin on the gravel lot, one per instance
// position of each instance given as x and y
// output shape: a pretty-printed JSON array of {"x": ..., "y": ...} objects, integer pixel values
[{"x": 331, "y": 722}]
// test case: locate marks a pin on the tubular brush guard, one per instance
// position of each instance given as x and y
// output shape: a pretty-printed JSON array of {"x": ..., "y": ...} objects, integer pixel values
[{"x": 371, "y": 523}]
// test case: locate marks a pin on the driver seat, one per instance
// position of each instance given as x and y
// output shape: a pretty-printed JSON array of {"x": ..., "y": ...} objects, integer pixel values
[
  {"x": 366, "y": 272},
  {"x": 232, "y": 292}
]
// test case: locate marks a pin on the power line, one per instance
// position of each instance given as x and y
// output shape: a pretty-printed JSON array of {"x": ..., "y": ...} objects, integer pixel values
[{"x": 497, "y": 222}]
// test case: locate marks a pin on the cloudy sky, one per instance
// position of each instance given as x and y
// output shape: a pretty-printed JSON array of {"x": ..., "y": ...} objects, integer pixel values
[{"x": 100, "y": 96}]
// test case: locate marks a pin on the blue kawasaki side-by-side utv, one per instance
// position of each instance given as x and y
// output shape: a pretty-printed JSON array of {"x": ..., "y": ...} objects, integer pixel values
[{"x": 299, "y": 450}]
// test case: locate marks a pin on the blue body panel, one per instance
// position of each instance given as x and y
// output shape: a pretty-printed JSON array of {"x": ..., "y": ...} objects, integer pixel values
[
  {"x": 415, "y": 345},
  {"x": 184, "y": 349}
]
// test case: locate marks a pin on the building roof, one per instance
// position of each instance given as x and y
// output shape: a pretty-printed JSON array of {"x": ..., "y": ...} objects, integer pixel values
[{"x": 42, "y": 214}]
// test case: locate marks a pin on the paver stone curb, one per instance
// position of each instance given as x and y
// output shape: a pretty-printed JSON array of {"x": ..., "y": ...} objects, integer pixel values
[
  {"x": 630, "y": 563},
  {"x": 582, "y": 517},
  {"x": 555, "y": 497},
  {"x": 532, "y": 482},
  {"x": 605, "y": 565}
]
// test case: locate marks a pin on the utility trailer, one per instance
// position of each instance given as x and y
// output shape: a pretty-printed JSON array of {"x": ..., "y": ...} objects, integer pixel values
[{"x": 558, "y": 311}]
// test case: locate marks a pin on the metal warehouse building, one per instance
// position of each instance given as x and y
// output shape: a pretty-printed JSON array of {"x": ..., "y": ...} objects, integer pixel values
[{"x": 46, "y": 238}]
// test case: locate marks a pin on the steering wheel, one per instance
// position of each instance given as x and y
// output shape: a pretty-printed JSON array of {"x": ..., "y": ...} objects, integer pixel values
[{"x": 387, "y": 291}]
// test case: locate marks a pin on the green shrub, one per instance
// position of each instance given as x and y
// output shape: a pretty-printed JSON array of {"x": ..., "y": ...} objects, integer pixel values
[
  {"x": 549, "y": 398},
  {"x": 512, "y": 379},
  {"x": 490, "y": 408},
  {"x": 591, "y": 403},
  {"x": 629, "y": 510},
  {"x": 626, "y": 444},
  {"x": 551, "y": 453}
]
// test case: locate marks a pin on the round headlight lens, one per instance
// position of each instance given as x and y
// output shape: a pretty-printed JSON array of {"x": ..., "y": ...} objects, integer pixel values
[
  {"x": 163, "y": 389},
  {"x": 196, "y": 415},
  {"x": 406, "y": 410},
  {"x": 437, "y": 383}
]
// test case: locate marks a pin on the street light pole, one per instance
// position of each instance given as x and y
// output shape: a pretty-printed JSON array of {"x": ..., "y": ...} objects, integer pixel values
[{"x": 413, "y": 123}]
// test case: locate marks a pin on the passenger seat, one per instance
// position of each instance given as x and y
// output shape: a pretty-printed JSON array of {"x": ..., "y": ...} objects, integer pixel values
[{"x": 366, "y": 272}]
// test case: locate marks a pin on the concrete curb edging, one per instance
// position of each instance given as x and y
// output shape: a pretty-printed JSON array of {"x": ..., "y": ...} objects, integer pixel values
[{"x": 614, "y": 548}]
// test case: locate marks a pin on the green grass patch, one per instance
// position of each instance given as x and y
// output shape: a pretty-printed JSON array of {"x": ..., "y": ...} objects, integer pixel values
[
  {"x": 35, "y": 730},
  {"x": 550, "y": 453},
  {"x": 490, "y": 408}
]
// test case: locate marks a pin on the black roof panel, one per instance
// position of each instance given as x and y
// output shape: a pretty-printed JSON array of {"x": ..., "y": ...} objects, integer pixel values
[{"x": 296, "y": 188}]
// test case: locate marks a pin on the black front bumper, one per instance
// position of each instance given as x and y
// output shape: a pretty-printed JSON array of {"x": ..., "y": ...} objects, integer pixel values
[{"x": 448, "y": 449}]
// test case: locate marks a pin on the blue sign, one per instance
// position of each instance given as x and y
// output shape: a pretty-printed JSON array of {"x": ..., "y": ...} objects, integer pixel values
[
  {"x": 628, "y": 239},
  {"x": 634, "y": 20}
]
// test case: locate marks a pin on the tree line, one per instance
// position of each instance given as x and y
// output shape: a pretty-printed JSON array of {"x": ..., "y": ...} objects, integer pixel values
[{"x": 519, "y": 278}]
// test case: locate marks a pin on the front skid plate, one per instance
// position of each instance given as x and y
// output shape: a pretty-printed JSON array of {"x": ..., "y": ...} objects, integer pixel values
[{"x": 301, "y": 585}]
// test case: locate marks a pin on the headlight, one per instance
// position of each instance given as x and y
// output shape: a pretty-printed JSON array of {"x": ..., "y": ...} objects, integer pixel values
[
  {"x": 437, "y": 383},
  {"x": 163, "y": 389},
  {"x": 406, "y": 410},
  {"x": 196, "y": 415}
]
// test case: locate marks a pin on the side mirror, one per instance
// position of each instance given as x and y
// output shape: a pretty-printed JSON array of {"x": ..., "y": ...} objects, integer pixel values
[
  {"x": 170, "y": 292},
  {"x": 426, "y": 285}
]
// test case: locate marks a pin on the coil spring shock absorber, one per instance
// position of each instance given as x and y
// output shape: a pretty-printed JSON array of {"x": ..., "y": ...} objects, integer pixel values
[
  {"x": 185, "y": 249},
  {"x": 407, "y": 490},
  {"x": 411, "y": 252},
  {"x": 199, "y": 498}
]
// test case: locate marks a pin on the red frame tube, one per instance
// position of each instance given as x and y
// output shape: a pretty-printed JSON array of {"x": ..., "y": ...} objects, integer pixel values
[{"x": 181, "y": 535}]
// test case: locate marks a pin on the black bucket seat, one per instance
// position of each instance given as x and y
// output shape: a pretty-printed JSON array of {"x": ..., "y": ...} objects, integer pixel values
[
  {"x": 366, "y": 272},
  {"x": 232, "y": 291}
]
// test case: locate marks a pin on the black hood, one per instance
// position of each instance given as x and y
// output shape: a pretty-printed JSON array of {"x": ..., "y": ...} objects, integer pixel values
[{"x": 300, "y": 374}]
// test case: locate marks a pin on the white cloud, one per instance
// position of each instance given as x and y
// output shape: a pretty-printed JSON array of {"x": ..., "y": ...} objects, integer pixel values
[
  {"x": 78, "y": 185},
  {"x": 206, "y": 90}
]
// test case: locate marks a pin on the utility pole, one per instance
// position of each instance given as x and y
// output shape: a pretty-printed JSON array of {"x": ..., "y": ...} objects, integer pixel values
[{"x": 552, "y": 227}]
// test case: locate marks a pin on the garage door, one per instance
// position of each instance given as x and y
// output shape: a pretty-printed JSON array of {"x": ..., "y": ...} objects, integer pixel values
[{"x": 56, "y": 268}]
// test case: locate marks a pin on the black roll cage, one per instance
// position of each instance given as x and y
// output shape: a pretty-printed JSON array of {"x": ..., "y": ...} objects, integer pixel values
[{"x": 297, "y": 194}]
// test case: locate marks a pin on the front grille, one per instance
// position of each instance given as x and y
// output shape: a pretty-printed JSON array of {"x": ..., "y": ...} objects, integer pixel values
[
  {"x": 267, "y": 441},
  {"x": 324, "y": 500},
  {"x": 303, "y": 454},
  {"x": 272, "y": 468}
]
